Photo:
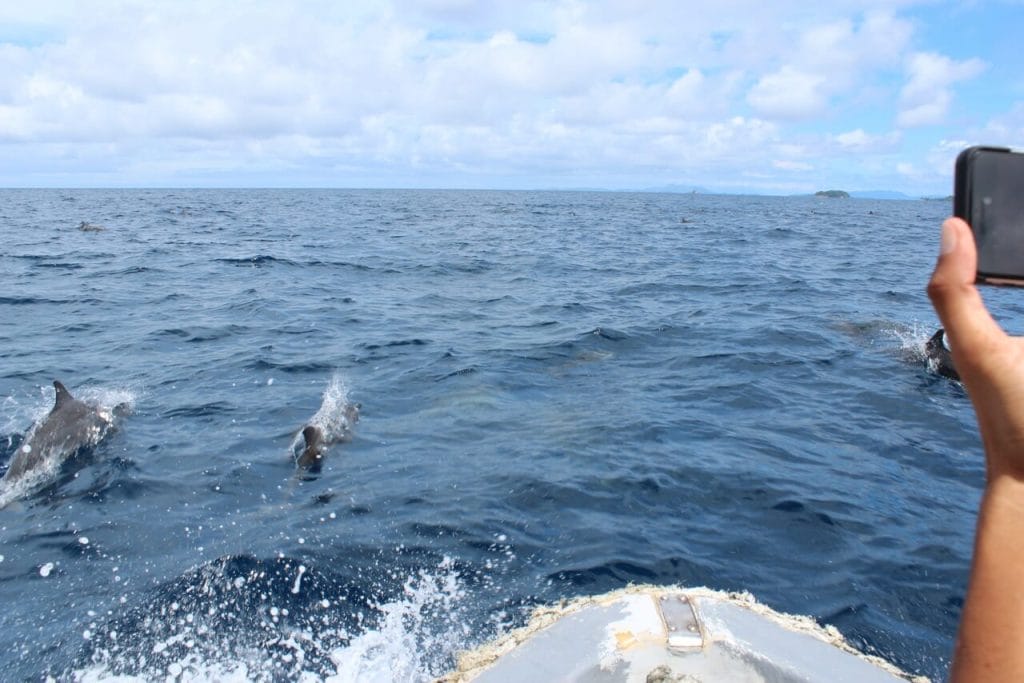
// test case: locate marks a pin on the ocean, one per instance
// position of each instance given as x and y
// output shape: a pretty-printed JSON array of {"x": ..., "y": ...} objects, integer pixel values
[{"x": 560, "y": 394}]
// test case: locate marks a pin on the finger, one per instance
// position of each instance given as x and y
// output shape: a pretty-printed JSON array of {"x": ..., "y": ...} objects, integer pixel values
[{"x": 954, "y": 295}]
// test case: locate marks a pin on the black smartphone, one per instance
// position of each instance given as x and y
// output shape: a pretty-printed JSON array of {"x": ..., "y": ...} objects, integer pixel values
[{"x": 988, "y": 193}]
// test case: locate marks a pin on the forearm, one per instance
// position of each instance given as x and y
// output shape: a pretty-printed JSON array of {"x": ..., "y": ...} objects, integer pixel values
[{"x": 990, "y": 645}]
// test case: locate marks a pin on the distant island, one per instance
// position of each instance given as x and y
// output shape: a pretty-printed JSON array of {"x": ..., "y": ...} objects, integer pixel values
[{"x": 678, "y": 188}]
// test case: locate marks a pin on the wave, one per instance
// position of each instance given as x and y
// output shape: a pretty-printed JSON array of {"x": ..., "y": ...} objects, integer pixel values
[
  {"x": 29, "y": 300},
  {"x": 397, "y": 343},
  {"x": 461, "y": 372},
  {"x": 293, "y": 368},
  {"x": 211, "y": 409},
  {"x": 60, "y": 266},
  {"x": 361, "y": 267},
  {"x": 257, "y": 261},
  {"x": 267, "y": 620},
  {"x": 245, "y": 618},
  {"x": 200, "y": 334}
]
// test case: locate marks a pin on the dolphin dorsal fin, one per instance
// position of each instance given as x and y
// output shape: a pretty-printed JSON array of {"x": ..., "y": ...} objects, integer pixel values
[
  {"x": 63, "y": 395},
  {"x": 311, "y": 434}
]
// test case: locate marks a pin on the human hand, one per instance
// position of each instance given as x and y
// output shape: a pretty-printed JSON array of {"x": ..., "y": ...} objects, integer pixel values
[
  {"x": 990, "y": 362},
  {"x": 990, "y": 642}
]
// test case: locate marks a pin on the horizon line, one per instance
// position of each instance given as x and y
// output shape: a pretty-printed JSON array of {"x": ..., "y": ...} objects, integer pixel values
[{"x": 895, "y": 195}]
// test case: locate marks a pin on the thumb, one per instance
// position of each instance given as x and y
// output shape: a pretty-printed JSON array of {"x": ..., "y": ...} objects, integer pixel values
[{"x": 954, "y": 296}]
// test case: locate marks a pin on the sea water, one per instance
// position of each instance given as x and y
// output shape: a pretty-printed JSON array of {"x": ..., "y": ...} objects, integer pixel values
[{"x": 561, "y": 393}]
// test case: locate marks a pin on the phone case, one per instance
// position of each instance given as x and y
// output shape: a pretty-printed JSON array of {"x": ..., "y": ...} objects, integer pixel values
[
  {"x": 962, "y": 178},
  {"x": 963, "y": 189}
]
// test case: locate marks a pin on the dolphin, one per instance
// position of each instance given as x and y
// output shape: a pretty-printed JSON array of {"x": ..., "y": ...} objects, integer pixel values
[
  {"x": 90, "y": 227},
  {"x": 71, "y": 425},
  {"x": 312, "y": 455},
  {"x": 317, "y": 439},
  {"x": 940, "y": 360}
]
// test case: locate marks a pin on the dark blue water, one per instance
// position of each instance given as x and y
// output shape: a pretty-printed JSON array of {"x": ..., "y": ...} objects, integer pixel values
[{"x": 561, "y": 393}]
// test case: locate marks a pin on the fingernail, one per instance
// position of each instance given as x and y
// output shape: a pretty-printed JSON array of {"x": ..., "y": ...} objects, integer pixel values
[{"x": 948, "y": 242}]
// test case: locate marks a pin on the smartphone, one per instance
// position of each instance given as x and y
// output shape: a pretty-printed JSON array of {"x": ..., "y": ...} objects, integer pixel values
[{"x": 988, "y": 193}]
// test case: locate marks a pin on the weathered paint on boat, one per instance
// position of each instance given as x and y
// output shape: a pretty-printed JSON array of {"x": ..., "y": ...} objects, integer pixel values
[{"x": 651, "y": 634}]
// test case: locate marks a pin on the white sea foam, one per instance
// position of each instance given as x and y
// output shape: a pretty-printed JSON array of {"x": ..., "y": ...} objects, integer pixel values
[
  {"x": 416, "y": 639},
  {"x": 191, "y": 669},
  {"x": 912, "y": 339}
]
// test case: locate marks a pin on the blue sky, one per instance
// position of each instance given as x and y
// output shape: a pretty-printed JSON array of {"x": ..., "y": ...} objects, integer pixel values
[{"x": 734, "y": 96}]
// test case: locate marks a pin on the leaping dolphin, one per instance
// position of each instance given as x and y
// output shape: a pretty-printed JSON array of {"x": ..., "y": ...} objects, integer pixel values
[
  {"x": 939, "y": 357},
  {"x": 70, "y": 426}
]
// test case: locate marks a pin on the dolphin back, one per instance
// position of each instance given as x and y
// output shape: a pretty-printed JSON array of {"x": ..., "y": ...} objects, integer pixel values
[{"x": 71, "y": 425}]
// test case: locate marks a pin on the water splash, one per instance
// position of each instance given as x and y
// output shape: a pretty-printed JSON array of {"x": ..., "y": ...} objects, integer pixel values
[
  {"x": 230, "y": 621},
  {"x": 418, "y": 636},
  {"x": 335, "y": 418},
  {"x": 911, "y": 340},
  {"x": 16, "y": 412}
]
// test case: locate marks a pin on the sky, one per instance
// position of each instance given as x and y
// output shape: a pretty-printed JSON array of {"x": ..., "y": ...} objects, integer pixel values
[{"x": 753, "y": 96}]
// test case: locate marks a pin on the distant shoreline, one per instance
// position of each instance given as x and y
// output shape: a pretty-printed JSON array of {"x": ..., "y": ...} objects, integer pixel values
[{"x": 869, "y": 194}]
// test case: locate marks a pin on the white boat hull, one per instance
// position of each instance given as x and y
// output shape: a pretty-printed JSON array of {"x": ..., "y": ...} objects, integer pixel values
[{"x": 649, "y": 634}]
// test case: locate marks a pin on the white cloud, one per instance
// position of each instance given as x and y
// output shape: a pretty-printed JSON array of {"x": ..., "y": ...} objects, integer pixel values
[
  {"x": 789, "y": 94},
  {"x": 937, "y": 163},
  {"x": 687, "y": 92},
  {"x": 854, "y": 139},
  {"x": 788, "y": 165},
  {"x": 926, "y": 97},
  {"x": 827, "y": 62},
  {"x": 511, "y": 87},
  {"x": 858, "y": 140},
  {"x": 1006, "y": 129},
  {"x": 906, "y": 169}
]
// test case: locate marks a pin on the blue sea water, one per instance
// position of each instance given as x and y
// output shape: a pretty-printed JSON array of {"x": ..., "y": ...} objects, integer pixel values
[{"x": 561, "y": 393}]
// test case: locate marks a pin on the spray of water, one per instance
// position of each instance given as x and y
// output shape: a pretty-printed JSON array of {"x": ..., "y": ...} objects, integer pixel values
[
  {"x": 416, "y": 636},
  {"x": 912, "y": 339},
  {"x": 204, "y": 634},
  {"x": 335, "y": 418}
]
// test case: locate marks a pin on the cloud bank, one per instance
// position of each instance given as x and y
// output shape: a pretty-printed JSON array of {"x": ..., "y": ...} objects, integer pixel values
[{"x": 737, "y": 95}]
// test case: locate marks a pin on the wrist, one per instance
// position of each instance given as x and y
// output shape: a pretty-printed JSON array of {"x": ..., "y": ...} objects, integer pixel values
[
  {"x": 1004, "y": 495},
  {"x": 991, "y": 639}
]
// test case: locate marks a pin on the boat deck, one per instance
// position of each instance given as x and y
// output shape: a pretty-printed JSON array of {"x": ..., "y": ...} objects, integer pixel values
[{"x": 653, "y": 634}]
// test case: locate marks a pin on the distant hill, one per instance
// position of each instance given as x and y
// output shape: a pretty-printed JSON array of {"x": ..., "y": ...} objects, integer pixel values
[{"x": 698, "y": 189}]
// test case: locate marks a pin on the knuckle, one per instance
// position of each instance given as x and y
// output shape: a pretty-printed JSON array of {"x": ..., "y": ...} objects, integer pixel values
[{"x": 942, "y": 288}]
